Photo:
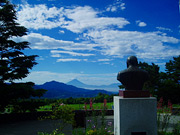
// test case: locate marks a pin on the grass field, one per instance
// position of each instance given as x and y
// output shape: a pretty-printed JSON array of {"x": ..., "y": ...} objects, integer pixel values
[{"x": 78, "y": 106}]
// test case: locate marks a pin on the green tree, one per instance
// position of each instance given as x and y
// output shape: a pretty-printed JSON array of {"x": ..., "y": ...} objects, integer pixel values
[
  {"x": 14, "y": 64},
  {"x": 173, "y": 70},
  {"x": 154, "y": 77},
  {"x": 170, "y": 81},
  {"x": 164, "y": 84}
]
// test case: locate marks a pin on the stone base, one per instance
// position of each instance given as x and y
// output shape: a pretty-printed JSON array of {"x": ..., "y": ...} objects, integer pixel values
[
  {"x": 135, "y": 116},
  {"x": 133, "y": 94}
]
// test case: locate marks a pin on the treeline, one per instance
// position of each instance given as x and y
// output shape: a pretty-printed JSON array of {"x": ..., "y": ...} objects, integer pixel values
[
  {"x": 164, "y": 84},
  {"x": 98, "y": 99}
]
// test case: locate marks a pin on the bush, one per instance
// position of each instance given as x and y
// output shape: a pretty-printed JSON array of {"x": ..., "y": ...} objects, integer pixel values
[{"x": 61, "y": 112}]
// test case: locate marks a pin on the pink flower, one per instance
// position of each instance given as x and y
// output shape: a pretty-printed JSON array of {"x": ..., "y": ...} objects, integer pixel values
[
  {"x": 105, "y": 102},
  {"x": 85, "y": 106},
  {"x": 160, "y": 103},
  {"x": 91, "y": 106},
  {"x": 61, "y": 104},
  {"x": 109, "y": 123},
  {"x": 170, "y": 105}
]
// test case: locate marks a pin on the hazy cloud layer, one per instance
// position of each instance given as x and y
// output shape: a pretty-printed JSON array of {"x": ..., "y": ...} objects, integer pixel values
[{"x": 93, "y": 79}]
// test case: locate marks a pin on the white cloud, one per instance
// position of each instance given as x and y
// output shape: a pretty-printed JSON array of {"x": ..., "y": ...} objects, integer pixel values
[
  {"x": 67, "y": 60},
  {"x": 99, "y": 36},
  {"x": 149, "y": 45},
  {"x": 40, "y": 16},
  {"x": 122, "y": 6},
  {"x": 70, "y": 53},
  {"x": 164, "y": 29},
  {"x": 41, "y": 77},
  {"x": 141, "y": 24},
  {"x": 40, "y": 58},
  {"x": 117, "y": 5},
  {"x": 38, "y": 41},
  {"x": 104, "y": 60},
  {"x": 76, "y": 19},
  {"x": 55, "y": 55},
  {"x": 87, "y": 18},
  {"x": 71, "y": 59},
  {"x": 61, "y": 31}
]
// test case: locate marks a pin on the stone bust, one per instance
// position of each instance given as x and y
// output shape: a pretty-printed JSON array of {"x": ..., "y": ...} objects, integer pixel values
[{"x": 133, "y": 78}]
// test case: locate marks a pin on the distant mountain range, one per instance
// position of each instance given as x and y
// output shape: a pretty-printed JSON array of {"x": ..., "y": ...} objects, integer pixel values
[
  {"x": 112, "y": 87},
  {"x": 61, "y": 90}
]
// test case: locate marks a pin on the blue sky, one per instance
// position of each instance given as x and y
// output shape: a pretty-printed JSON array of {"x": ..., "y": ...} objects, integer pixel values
[{"x": 90, "y": 40}]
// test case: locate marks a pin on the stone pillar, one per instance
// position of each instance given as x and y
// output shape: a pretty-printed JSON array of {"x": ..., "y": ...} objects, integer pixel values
[{"x": 135, "y": 116}]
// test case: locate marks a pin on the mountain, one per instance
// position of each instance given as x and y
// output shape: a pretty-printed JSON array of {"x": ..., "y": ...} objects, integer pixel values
[
  {"x": 112, "y": 87},
  {"x": 76, "y": 83},
  {"x": 61, "y": 90}
]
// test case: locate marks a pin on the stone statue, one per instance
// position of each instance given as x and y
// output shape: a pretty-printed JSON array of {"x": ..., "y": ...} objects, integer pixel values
[{"x": 133, "y": 78}]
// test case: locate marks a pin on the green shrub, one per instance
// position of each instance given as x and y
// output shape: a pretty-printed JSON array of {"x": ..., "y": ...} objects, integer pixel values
[{"x": 60, "y": 112}]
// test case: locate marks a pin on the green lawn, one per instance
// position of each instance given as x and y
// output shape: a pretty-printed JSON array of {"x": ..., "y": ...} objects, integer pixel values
[{"x": 78, "y": 106}]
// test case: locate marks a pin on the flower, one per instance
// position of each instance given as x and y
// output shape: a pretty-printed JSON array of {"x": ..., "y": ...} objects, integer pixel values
[
  {"x": 93, "y": 126},
  {"x": 170, "y": 105},
  {"x": 91, "y": 106},
  {"x": 105, "y": 102},
  {"x": 160, "y": 103},
  {"x": 88, "y": 120},
  {"x": 109, "y": 123},
  {"x": 62, "y": 104},
  {"x": 85, "y": 106}
]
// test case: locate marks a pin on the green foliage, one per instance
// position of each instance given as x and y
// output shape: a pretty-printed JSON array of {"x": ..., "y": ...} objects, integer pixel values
[
  {"x": 98, "y": 99},
  {"x": 22, "y": 106},
  {"x": 170, "y": 87},
  {"x": 166, "y": 133},
  {"x": 154, "y": 77},
  {"x": 76, "y": 106},
  {"x": 164, "y": 84},
  {"x": 16, "y": 96},
  {"x": 169, "y": 90},
  {"x": 176, "y": 130},
  {"x": 93, "y": 128},
  {"x": 14, "y": 64},
  {"x": 55, "y": 132},
  {"x": 164, "y": 114},
  {"x": 173, "y": 70},
  {"x": 61, "y": 112},
  {"x": 64, "y": 113}
]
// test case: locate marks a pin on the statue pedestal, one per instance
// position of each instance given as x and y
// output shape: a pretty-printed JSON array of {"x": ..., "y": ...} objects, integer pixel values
[
  {"x": 135, "y": 116},
  {"x": 133, "y": 93}
]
